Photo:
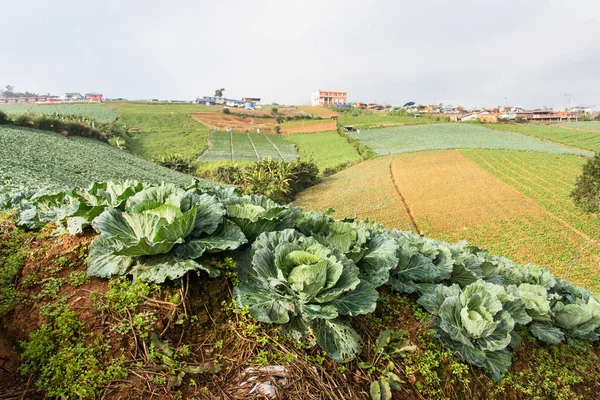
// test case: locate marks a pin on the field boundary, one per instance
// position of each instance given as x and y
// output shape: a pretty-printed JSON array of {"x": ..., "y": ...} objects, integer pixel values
[
  {"x": 231, "y": 145},
  {"x": 413, "y": 222},
  {"x": 253, "y": 147},
  {"x": 276, "y": 148}
]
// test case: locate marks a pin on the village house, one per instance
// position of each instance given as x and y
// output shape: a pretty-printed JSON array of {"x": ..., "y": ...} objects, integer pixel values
[{"x": 328, "y": 98}]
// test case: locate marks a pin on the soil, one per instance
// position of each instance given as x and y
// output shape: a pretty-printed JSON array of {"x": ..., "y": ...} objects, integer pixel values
[{"x": 310, "y": 127}]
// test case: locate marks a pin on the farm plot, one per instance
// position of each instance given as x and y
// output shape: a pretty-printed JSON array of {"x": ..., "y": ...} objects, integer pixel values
[
  {"x": 41, "y": 158},
  {"x": 326, "y": 149},
  {"x": 514, "y": 203},
  {"x": 241, "y": 146},
  {"x": 220, "y": 121},
  {"x": 583, "y": 125},
  {"x": 308, "y": 126},
  {"x": 365, "y": 191},
  {"x": 318, "y": 111},
  {"x": 97, "y": 112},
  {"x": 555, "y": 133},
  {"x": 405, "y": 139}
]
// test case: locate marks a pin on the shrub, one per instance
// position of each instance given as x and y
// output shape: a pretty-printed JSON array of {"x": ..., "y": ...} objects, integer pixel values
[
  {"x": 3, "y": 118},
  {"x": 277, "y": 129},
  {"x": 226, "y": 111},
  {"x": 587, "y": 188},
  {"x": 23, "y": 120},
  {"x": 176, "y": 162}
]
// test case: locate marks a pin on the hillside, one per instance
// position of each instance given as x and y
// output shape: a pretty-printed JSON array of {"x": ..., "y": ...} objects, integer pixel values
[{"x": 41, "y": 158}]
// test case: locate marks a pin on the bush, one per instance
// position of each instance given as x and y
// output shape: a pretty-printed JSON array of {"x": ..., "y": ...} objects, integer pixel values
[
  {"x": 226, "y": 111},
  {"x": 277, "y": 129},
  {"x": 277, "y": 179},
  {"x": 587, "y": 188},
  {"x": 23, "y": 120},
  {"x": 176, "y": 162},
  {"x": 3, "y": 118}
]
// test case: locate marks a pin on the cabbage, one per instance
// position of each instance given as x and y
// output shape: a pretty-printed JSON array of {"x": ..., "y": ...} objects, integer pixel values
[
  {"x": 294, "y": 280},
  {"x": 257, "y": 214},
  {"x": 161, "y": 233}
]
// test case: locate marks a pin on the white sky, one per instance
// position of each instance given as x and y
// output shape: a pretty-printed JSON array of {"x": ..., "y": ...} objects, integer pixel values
[{"x": 468, "y": 52}]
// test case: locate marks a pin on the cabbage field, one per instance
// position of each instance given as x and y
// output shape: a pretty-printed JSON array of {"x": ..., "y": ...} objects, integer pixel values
[
  {"x": 309, "y": 273},
  {"x": 97, "y": 112},
  {"x": 405, "y": 139},
  {"x": 46, "y": 159},
  {"x": 240, "y": 146}
]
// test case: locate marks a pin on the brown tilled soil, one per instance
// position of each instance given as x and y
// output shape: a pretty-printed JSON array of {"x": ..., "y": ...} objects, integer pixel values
[
  {"x": 308, "y": 127},
  {"x": 221, "y": 122}
]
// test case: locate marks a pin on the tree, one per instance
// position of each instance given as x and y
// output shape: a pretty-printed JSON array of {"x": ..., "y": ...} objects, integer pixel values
[
  {"x": 277, "y": 129},
  {"x": 9, "y": 88},
  {"x": 219, "y": 92},
  {"x": 280, "y": 119},
  {"x": 587, "y": 188},
  {"x": 274, "y": 110}
]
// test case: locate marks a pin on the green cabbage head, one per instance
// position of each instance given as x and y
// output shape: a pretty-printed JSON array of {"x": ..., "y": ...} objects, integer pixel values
[{"x": 294, "y": 280}]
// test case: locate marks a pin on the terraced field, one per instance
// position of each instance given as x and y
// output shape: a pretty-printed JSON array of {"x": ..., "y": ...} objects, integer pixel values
[
  {"x": 240, "y": 146},
  {"x": 514, "y": 203},
  {"x": 41, "y": 158},
  {"x": 326, "y": 149},
  {"x": 556, "y": 133},
  {"x": 405, "y": 139},
  {"x": 98, "y": 112}
]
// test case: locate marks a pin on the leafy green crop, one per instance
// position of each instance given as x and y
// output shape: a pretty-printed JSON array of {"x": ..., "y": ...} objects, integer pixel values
[{"x": 294, "y": 280}]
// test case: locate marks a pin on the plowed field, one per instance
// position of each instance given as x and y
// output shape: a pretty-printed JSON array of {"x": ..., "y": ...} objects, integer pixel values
[{"x": 308, "y": 126}]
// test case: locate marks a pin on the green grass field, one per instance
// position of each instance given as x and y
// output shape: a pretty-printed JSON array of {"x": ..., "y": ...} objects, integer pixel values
[
  {"x": 41, "y": 158},
  {"x": 326, "y": 149},
  {"x": 163, "y": 129},
  {"x": 98, "y": 112},
  {"x": 585, "y": 125},
  {"x": 404, "y": 139},
  {"x": 241, "y": 146},
  {"x": 369, "y": 120},
  {"x": 555, "y": 133}
]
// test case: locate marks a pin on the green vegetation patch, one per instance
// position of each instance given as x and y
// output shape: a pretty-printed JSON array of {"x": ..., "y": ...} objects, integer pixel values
[
  {"x": 585, "y": 125},
  {"x": 369, "y": 120},
  {"x": 407, "y": 139},
  {"x": 13, "y": 254},
  {"x": 97, "y": 112},
  {"x": 555, "y": 133},
  {"x": 240, "y": 146},
  {"x": 163, "y": 128},
  {"x": 328, "y": 150},
  {"x": 40, "y": 158}
]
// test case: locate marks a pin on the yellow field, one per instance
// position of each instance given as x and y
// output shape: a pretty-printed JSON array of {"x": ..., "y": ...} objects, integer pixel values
[
  {"x": 317, "y": 111},
  {"x": 514, "y": 203},
  {"x": 364, "y": 191}
]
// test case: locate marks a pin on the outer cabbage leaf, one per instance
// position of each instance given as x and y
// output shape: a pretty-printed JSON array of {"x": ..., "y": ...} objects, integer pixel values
[{"x": 337, "y": 338}]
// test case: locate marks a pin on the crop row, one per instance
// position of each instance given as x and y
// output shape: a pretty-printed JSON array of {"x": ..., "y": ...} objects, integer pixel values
[
  {"x": 240, "y": 146},
  {"x": 555, "y": 133},
  {"x": 404, "y": 139},
  {"x": 97, "y": 112}
]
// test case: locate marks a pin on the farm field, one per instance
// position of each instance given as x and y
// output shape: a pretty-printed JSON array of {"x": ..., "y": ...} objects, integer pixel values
[
  {"x": 555, "y": 133},
  {"x": 317, "y": 111},
  {"x": 585, "y": 125},
  {"x": 98, "y": 112},
  {"x": 376, "y": 119},
  {"x": 514, "y": 203},
  {"x": 365, "y": 191},
  {"x": 220, "y": 121},
  {"x": 52, "y": 160},
  {"x": 241, "y": 146},
  {"x": 163, "y": 129},
  {"x": 452, "y": 136},
  {"x": 326, "y": 149}
]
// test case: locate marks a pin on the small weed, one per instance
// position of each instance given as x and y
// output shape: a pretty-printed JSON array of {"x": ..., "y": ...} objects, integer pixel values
[{"x": 78, "y": 278}]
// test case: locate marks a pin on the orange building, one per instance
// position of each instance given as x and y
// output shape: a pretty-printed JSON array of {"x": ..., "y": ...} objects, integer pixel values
[{"x": 328, "y": 97}]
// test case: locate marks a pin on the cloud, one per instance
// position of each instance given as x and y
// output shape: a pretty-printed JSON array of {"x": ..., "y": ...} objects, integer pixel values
[{"x": 463, "y": 52}]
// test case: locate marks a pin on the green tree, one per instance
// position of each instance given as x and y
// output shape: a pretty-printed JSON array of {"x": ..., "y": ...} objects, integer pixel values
[
  {"x": 274, "y": 110},
  {"x": 280, "y": 119},
  {"x": 587, "y": 188},
  {"x": 219, "y": 92}
]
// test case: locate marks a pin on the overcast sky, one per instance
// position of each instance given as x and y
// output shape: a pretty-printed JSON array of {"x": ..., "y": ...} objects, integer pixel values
[{"x": 452, "y": 52}]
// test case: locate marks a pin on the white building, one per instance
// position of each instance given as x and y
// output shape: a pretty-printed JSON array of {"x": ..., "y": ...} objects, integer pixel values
[{"x": 328, "y": 97}]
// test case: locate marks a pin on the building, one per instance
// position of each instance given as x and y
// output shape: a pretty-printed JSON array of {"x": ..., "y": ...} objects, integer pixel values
[
  {"x": 72, "y": 97},
  {"x": 93, "y": 97},
  {"x": 328, "y": 97},
  {"x": 254, "y": 100}
]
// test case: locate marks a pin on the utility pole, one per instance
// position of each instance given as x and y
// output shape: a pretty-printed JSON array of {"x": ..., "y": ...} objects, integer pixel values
[{"x": 567, "y": 101}]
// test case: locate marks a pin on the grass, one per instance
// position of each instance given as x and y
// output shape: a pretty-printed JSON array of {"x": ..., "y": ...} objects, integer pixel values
[
  {"x": 241, "y": 146},
  {"x": 41, "y": 158},
  {"x": 585, "y": 125},
  {"x": 369, "y": 120},
  {"x": 98, "y": 112},
  {"x": 163, "y": 129},
  {"x": 451, "y": 136},
  {"x": 555, "y": 133},
  {"x": 328, "y": 150}
]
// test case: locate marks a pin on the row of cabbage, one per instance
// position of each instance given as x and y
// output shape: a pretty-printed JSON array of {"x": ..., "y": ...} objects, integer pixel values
[{"x": 310, "y": 273}]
